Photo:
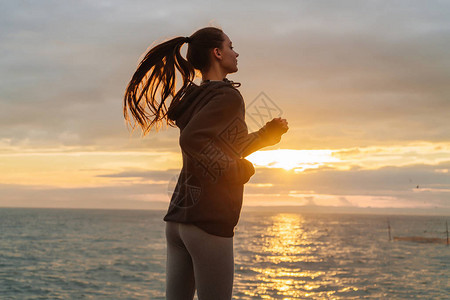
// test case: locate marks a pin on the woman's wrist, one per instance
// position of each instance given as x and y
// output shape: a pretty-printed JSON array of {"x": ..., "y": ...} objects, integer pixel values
[{"x": 270, "y": 134}]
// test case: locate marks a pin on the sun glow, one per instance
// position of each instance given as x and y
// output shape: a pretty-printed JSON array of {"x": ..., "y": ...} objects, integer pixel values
[{"x": 289, "y": 159}]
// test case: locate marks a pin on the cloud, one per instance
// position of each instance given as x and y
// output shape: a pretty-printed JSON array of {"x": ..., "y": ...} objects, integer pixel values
[
  {"x": 397, "y": 184},
  {"x": 136, "y": 196},
  {"x": 385, "y": 187},
  {"x": 344, "y": 72},
  {"x": 154, "y": 175},
  {"x": 333, "y": 181},
  {"x": 351, "y": 75}
]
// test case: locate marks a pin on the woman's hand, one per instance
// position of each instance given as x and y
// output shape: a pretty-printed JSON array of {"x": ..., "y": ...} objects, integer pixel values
[
  {"x": 282, "y": 124},
  {"x": 273, "y": 130}
]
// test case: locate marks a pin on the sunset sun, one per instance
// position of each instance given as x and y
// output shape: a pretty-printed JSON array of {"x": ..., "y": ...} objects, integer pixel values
[{"x": 289, "y": 159}]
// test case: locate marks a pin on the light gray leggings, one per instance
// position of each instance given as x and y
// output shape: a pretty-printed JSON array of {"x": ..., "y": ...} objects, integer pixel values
[{"x": 198, "y": 260}]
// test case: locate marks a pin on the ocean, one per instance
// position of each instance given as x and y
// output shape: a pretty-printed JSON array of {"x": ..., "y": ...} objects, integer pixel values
[{"x": 120, "y": 254}]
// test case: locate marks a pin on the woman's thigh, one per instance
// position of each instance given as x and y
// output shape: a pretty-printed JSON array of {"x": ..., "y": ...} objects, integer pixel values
[
  {"x": 180, "y": 280},
  {"x": 213, "y": 262}
]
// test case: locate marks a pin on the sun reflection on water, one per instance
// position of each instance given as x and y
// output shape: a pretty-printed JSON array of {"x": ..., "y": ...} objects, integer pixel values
[
  {"x": 291, "y": 256},
  {"x": 283, "y": 244},
  {"x": 285, "y": 234}
]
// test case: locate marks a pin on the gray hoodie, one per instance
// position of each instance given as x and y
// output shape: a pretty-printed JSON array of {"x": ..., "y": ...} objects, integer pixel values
[{"x": 214, "y": 140}]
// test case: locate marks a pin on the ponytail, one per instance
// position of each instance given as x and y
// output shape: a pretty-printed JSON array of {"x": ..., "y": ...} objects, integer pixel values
[{"x": 156, "y": 72}]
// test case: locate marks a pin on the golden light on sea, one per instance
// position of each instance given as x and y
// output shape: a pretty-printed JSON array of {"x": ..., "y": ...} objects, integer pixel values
[
  {"x": 291, "y": 257},
  {"x": 285, "y": 242}
]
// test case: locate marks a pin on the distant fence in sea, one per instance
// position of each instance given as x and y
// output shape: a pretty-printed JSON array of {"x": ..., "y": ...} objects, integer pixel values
[{"x": 421, "y": 239}]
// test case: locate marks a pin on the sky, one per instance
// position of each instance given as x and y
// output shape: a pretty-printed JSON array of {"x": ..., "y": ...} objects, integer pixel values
[{"x": 364, "y": 86}]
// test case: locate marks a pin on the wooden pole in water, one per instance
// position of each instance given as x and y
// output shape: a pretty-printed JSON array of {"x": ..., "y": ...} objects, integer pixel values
[
  {"x": 389, "y": 231},
  {"x": 446, "y": 226}
]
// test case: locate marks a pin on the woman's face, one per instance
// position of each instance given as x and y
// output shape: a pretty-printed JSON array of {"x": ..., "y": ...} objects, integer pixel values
[{"x": 229, "y": 56}]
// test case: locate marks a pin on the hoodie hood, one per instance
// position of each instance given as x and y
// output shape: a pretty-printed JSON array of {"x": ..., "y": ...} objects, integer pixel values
[{"x": 195, "y": 97}]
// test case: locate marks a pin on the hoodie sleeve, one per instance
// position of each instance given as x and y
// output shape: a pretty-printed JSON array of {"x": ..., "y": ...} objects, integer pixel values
[
  {"x": 265, "y": 136},
  {"x": 210, "y": 138},
  {"x": 255, "y": 143}
]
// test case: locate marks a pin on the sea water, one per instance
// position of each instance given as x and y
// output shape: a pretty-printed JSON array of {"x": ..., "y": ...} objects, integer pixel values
[{"x": 121, "y": 254}]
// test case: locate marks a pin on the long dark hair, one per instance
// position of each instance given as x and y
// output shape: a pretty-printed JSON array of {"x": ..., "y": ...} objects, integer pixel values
[{"x": 157, "y": 70}]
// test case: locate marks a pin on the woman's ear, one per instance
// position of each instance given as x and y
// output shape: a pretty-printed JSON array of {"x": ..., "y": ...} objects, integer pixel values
[{"x": 217, "y": 53}]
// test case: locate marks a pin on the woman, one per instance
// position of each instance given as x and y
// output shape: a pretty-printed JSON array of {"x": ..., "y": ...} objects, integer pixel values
[{"x": 206, "y": 203}]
